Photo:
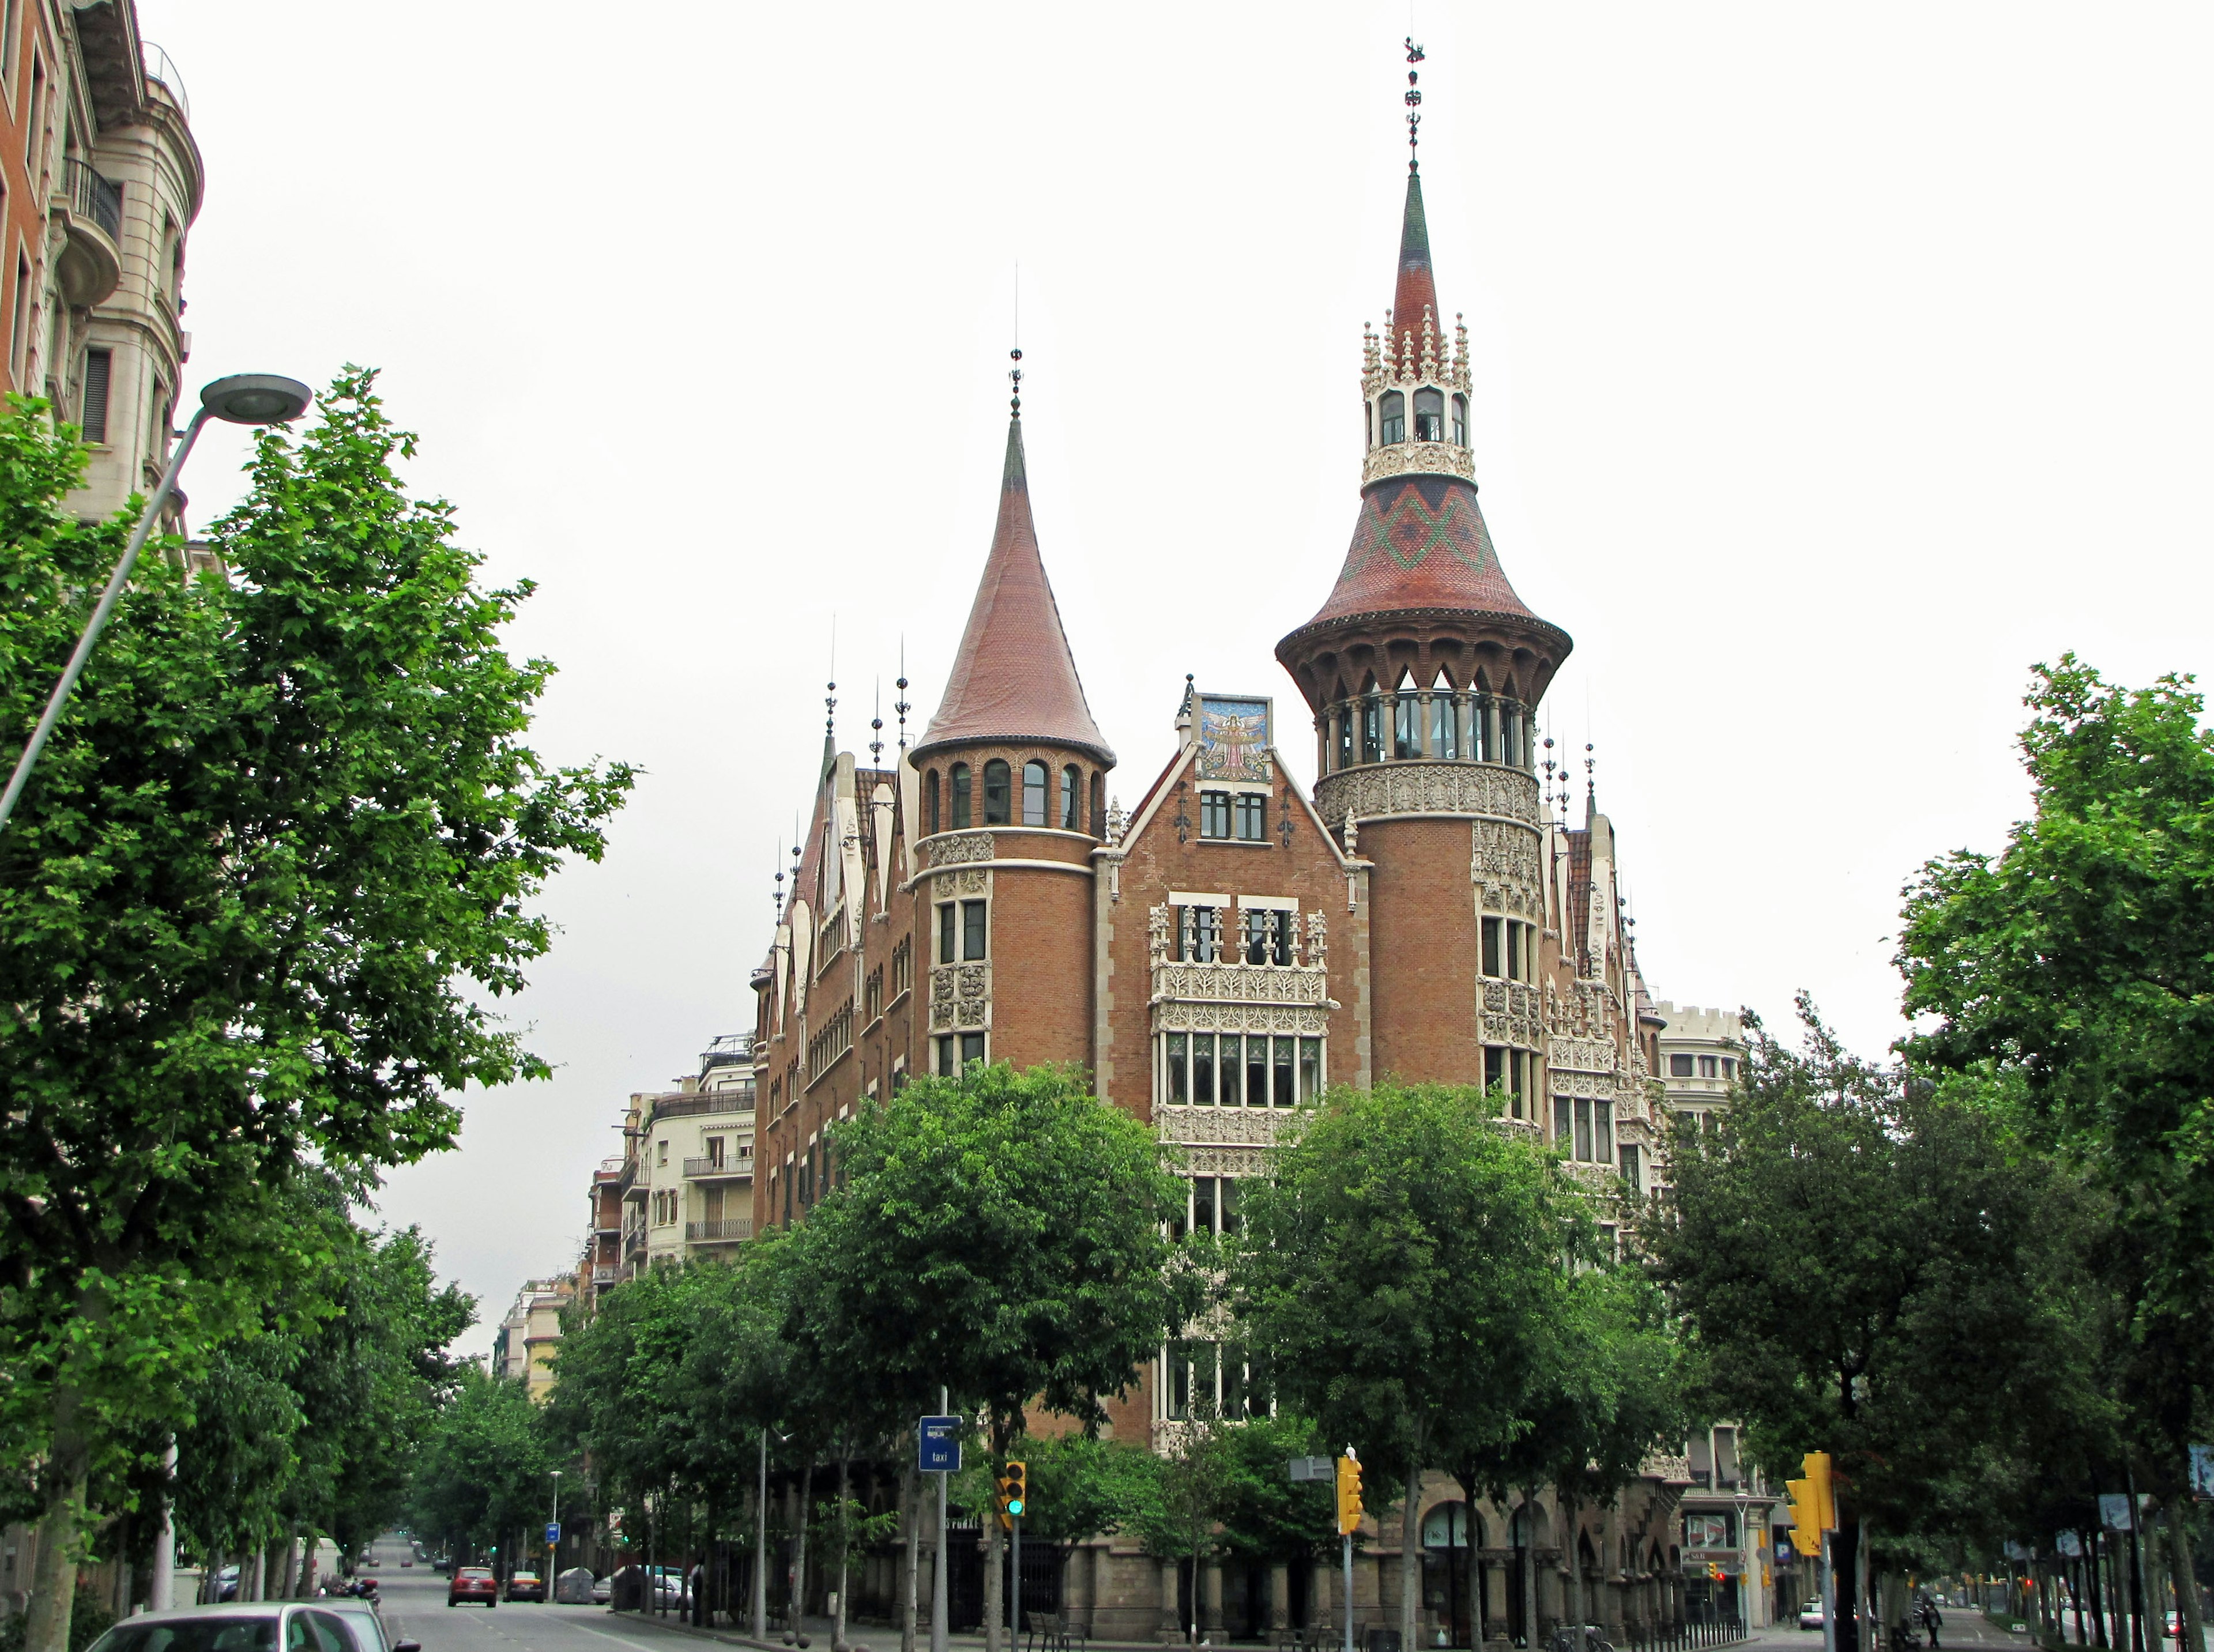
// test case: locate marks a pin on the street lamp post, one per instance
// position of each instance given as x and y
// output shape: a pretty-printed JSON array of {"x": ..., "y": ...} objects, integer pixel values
[
  {"x": 1745, "y": 1558},
  {"x": 554, "y": 1537},
  {"x": 242, "y": 398}
]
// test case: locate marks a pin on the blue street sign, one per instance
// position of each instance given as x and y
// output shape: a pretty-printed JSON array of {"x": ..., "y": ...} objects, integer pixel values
[
  {"x": 552, "y": 1533},
  {"x": 939, "y": 1441}
]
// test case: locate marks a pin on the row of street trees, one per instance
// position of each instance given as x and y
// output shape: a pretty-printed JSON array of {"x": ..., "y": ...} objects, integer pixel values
[
  {"x": 280, "y": 854},
  {"x": 1416, "y": 1279}
]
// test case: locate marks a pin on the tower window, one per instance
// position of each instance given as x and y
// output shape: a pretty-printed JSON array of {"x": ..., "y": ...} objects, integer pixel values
[
  {"x": 1344, "y": 736},
  {"x": 930, "y": 802},
  {"x": 1214, "y": 814},
  {"x": 1445, "y": 733},
  {"x": 972, "y": 929},
  {"x": 960, "y": 778},
  {"x": 1071, "y": 799},
  {"x": 1372, "y": 730},
  {"x": 1429, "y": 416},
  {"x": 1680, "y": 1066},
  {"x": 1368, "y": 424},
  {"x": 98, "y": 364},
  {"x": 1034, "y": 794},
  {"x": 1460, "y": 420},
  {"x": 1252, "y": 818},
  {"x": 1510, "y": 733},
  {"x": 997, "y": 785},
  {"x": 1406, "y": 724},
  {"x": 947, "y": 951},
  {"x": 1392, "y": 413},
  {"x": 1099, "y": 804}
]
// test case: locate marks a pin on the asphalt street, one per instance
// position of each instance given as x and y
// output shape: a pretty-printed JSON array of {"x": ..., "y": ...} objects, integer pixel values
[{"x": 414, "y": 1607}]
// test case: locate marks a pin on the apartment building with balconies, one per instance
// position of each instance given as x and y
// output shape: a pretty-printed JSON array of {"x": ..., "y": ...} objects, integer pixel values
[
  {"x": 522, "y": 1348},
  {"x": 99, "y": 182},
  {"x": 685, "y": 1188},
  {"x": 1702, "y": 1053}
]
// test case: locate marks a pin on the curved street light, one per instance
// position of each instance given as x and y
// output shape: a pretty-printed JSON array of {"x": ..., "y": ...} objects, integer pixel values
[{"x": 242, "y": 398}]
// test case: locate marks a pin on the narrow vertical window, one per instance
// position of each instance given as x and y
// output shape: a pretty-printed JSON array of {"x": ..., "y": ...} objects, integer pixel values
[
  {"x": 1202, "y": 1205},
  {"x": 972, "y": 1048},
  {"x": 1494, "y": 1067},
  {"x": 1583, "y": 1130},
  {"x": 1459, "y": 420},
  {"x": 1406, "y": 723},
  {"x": 1633, "y": 1171},
  {"x": 1071, "y": 799},
  {"x": 1179, "y": 1085},
  {"x": 1487, "y": 737},
  {"x": 960, "y": 778},
  {"x": 997, "y": 785},
  {"x": 1310, "y": 1070},
  {"x": 1391, "y": 417},
  {"x": 1491, "y": 954},
  {"x": 1225, "y": 1204},
  {"x": 1287, "y": 1083},
  {"x": 1099, "y": 804},
  {"x": 1034, "y": 794},
  {"x": 1229, "y": 1065},
  {"x": 1257, "y": 936},
  {"x": 1564, "y": 1123},
  {"x": 1345, "y": 736},
  {"x": 1180, "y": 1218},
  {"x": 948, "y": 1058},
  {"x": 972, "y": 929},
  {"x": 1214, "y": 814},
  {"x": 1252, "y": 818},
  {"x": 1371, "y": 729},
  {"x": 1602, "y": 1133},
  {"x": 1202, "y": 1070},
  {"x": 1257, "y": 1071},
  {"x": 1429, "y": 416},
  {"x": 946, "y": 952},
  {"x": 1283, "y": 926},
  {"x": 930, "y": 802},
  {"x": 98, "y": 366}
]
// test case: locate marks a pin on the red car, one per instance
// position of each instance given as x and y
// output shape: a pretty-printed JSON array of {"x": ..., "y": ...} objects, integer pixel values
[{"x": 472, "y": 1584}]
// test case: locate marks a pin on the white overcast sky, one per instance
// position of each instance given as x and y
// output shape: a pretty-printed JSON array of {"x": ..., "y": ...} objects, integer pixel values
[{"x": 1833, "y": 364}]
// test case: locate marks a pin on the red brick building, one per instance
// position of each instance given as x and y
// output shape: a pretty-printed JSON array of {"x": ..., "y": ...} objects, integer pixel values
[{"x": 1238, "y": 942}]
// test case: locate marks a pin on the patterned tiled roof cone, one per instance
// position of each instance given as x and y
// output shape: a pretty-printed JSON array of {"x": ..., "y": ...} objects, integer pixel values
[
  {"x": 1419, "y": 549},
  {"x": 1014, "y": 677}
]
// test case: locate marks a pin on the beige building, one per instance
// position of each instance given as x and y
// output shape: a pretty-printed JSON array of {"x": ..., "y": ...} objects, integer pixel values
[
  {"x": 522, "y": 1348},
  {"x": 687, "y": 1181},
  {"x": 1701, "y": 1053}
]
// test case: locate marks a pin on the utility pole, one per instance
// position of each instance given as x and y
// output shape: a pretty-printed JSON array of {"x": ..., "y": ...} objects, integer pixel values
[
  {"x": 761, "y": 1546},
  {"x": 939, "y": 1616}
]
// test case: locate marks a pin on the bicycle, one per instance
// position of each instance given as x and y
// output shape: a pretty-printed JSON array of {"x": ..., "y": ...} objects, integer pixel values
[{"x": 1563, "y": 1639}]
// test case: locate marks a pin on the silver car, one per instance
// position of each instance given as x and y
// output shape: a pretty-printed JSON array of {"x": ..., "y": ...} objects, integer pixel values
[{"x": 252, "y": 1627}]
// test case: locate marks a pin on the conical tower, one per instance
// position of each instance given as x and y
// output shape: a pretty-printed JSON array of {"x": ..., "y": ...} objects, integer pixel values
[
  {"x": 1424, "y": 670},
  {"x": 1012, "y": 788}
]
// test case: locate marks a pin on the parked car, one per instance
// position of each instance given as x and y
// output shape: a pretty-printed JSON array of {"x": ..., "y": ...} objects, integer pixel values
[
  {"x": 360, "y": 1617},
  {"x": 472, "y": 1584},
  {"x": 252, "y": 1627},
  {"x": 1810, "y": 1615},
  {"x": 526, "y": 1586},
  {"x": 604, "y": 1590}
]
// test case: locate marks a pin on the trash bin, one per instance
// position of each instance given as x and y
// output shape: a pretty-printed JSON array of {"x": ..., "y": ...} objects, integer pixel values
[{"x": 574, "y": 1586}]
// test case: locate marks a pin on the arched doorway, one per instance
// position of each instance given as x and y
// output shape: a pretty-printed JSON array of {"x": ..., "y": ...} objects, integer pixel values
[{"x": 1451, "y": 1537}]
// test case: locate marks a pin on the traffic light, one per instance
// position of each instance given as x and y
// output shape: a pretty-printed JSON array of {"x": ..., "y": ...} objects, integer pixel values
[
  {"x": 1349, "y": 1493},
  {"x": 1813, "y": 1507},
  {"x": 1000, "y": 1503},
  {"x": 1016, "y": 1489}
]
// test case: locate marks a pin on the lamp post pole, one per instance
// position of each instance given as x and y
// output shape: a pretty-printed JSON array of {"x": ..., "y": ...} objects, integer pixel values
[
  {"x": 553, "y": 1542},
  {"x": 761, "y": 1546},
  {"x": 940, "y": 1617},
  {"x": 243, "y": 398}
]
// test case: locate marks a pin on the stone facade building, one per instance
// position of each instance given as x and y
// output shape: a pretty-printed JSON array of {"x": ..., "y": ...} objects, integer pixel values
[
  {"x": 683, "y": 1189},
  {"x": 1238, "y": 941}
]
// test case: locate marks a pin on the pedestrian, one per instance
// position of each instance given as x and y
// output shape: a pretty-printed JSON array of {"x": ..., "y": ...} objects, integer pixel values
[{"x": 1930, "y": 1620}]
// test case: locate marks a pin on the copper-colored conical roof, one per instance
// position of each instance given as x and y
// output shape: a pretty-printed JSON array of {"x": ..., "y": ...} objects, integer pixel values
[
  {"x": 1014, "y": 677},
  {"x": 1415, "y": 292},
  {"x": 1420, "y": 544}
]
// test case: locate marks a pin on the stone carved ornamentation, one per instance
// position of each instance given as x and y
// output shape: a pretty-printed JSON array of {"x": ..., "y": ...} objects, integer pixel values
[
  {"x": 1174, "y": 1016},
  {"x": 1317, "y": 941},
  {"x": 960, "y": 997},
  {"x": 1424, "y": 788},
  {"x": 1507, "y": 860},
  {"x": 965, "y": 881},
  {"x": 1418, "y": 459},
  {"x": 1226, "y": 1161},
  {"x": 1247, "y": 1127},
  {"x": 967, "y": 846},
  {"x": 1157, "y": 936},
  {"x": 1228, "y": 983}
]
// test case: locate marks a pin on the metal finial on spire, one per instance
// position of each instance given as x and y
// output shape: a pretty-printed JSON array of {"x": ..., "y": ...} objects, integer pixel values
[
  {"x": 877, "y": 730},
  {"x": 830, "y": 711},
  {"x": 1591, "y": 764},
  {"x": 1415, "y": 55},
  {"x": 1015, "y": 376},
  {"x": 780, "y": 883},
  {"x": 900, "y": 705}
]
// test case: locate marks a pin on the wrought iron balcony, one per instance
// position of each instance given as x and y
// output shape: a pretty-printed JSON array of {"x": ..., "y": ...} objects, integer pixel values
[
  {"x": 94, "y": 197},
  {"x": 90, "y": 265},
  {"x": 728, "y": 1230},
  {"x": 714, "y": 1169}
]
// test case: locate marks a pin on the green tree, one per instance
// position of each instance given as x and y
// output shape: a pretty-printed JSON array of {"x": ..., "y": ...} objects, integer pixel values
[
  {"x": 1001, "y": 1234},
  {"x": 486, "y": 1471},
  {"x": 1400, "y": 1272},
  {"x": 1872, "y": 1269},
  {"x": 281, "y": 849},
  {"x": 2079, "y": 963}
]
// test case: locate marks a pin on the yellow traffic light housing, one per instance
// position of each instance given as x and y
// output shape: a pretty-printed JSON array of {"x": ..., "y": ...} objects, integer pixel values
[
  {"x": 1014, "y": 1489},
  {"x": 1348, "y": 1494},
  {"x": 1813, "y": 1504},
  {"x": 999, "y": 1502}
]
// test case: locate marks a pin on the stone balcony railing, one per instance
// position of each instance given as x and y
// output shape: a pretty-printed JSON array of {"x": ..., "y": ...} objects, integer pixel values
[{"x": 1424, "y": 786}]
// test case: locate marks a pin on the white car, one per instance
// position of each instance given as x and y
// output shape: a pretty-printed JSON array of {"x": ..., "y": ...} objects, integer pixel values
[{"x": 1810, "y": 1615}]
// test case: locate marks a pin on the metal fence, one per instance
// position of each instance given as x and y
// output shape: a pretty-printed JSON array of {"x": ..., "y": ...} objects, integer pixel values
[
  {"x": 1680, "y": 1637},
  {"x": 94, "y": 197}
]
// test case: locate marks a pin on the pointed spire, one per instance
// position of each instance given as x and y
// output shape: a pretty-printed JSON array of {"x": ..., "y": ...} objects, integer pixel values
[
  {"x": 1416, "y": 296},
  {"x": 1014, "y": 677}
]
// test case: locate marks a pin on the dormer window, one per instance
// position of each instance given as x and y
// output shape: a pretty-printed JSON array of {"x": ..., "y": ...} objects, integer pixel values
[
  {"x": 1429, "y": 416},
  {"x": 1392, "y": 410},
  {"x": 1460, "y": 420}
]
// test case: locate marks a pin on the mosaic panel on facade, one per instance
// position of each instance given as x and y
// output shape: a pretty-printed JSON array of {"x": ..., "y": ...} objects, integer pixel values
[{"x": 1234, "y": 736}]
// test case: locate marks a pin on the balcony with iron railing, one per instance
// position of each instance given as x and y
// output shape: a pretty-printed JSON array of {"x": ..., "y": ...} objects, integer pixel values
[
  {"x": 714, "y": 1169},
  {"x": 90, "y": 265},
  {"x": 726, "y": 1231}
]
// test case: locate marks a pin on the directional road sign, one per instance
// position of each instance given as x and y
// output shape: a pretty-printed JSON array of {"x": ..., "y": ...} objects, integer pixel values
[{"x": 939, "y": 1445}]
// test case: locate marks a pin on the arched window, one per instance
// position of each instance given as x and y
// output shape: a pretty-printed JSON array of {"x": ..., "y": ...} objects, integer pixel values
[
  {"x": 1391, "y": 412},
  {"x": 1445, "y": 724},
  {"x": 1406, "y": 720},
  {"x": 1371, "y": 728},
  {"x": 1071, "y": 799},
  {"x": 999, "y": 786},
  {"x": 930, "y": 802},
  {"x": 1099, "y": 804},
  {"x": 1460, "y": 420},
  {"x": 1034, "y": 793},
  {"x": 960, "y": 796},
  {"x": 1429, "y": 416}
]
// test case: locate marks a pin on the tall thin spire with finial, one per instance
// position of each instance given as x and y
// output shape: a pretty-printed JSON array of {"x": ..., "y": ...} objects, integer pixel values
[
  {"x": 1415, "y": 55},
  {"x": 780, "y": 882},
  {"x": 876, "y": 728},
  {"x": 900, "y": 705}
]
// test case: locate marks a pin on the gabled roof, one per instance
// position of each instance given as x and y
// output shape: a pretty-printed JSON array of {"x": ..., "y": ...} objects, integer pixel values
[{"x": 1014, "y": 677}]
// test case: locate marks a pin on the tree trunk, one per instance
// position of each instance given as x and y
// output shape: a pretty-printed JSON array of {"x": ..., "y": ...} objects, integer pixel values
[
  {"x": 911, "y": 1518},
  {"x": 1530, "y": 1634},
  {"x": 995, "y": 1595},
  {"x": 53, "y": 1582},
  {"x": 1410, "y": 1556},
  {"x": 845, "y": 1549},
  {"x": 2186, "y": 1578},
  {"x": 799, "y": 1551},
  {"x": 1572, "y": 1552}
]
